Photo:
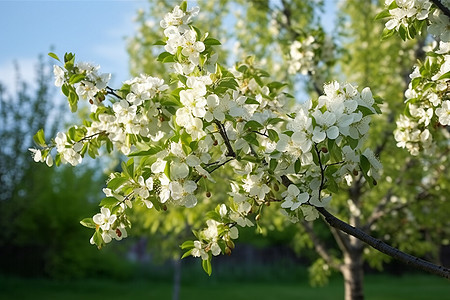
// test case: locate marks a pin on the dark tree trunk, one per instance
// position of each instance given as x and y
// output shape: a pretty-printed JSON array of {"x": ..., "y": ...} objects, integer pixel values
[
  {"x": 353, "y": 273},
  {"x": 176, "y": 278}
]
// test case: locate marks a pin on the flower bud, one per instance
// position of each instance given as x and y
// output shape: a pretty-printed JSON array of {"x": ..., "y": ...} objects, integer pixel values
[
  {"x": 227, "y": 251},
  {"x": 258, "y": 217},
  {"x": 230, "y": 244}
]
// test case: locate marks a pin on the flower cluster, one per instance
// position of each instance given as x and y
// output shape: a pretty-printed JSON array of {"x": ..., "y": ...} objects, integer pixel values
[
  {"x": 279, "y": 151},
  {"x": 408, "y": 17},
  {"x": 306, "y": 54},
  {"x": 427, "y": 96}
]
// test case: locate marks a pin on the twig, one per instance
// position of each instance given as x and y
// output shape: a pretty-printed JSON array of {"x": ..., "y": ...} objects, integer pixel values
[
  {"x": 383, "y": 247},
  {"x": 223, "y": 134},
  {"x": 442, "y": 7}
]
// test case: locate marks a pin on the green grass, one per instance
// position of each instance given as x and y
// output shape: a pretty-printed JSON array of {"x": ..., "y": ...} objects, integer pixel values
[{"x": 381, "y": 287}]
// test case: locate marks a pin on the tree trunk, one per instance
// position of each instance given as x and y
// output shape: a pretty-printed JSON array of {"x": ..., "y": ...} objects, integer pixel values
[
  {"x": 353, "y": 273},
  {"x": 176, "y": 278}
]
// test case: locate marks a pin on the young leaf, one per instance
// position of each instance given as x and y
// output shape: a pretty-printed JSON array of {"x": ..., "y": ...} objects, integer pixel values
[
  {"x": 88, "y": 222},
  {"x": 187, "y": 245},
  {"x": 39, "y": 138},
  {"x": 206, "y": 264},
  {"x": 53, "y": 55}
]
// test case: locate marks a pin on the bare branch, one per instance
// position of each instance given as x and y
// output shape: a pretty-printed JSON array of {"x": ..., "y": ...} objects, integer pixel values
[
  {"x": 383, "y": 247},
  {"x": 442, "y": 7}
]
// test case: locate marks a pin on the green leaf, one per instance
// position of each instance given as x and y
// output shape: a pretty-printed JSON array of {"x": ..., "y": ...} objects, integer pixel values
[
  {"x": 98, "y": 240},
  {"x": 365, "y": 164},
  {"x": 273, "y": 121},
  {"x": 115, "y": 183},
  {"x": 183, "y": 6},
  {"x": 352, "y": 142},
  {"x": 211, "y": 42},
  {"x": 187, "y": 245},
  {"x": 206, "y": 265},
  {"x": 242, "y": 68},
  {"x": 53, "y": 55},
  {"x": 297, "y": 165},
  {"x": 253, "y": 125},
  {"x": 387, "y": 33},
  {"x": 332, "y": 186},
  {"x": 88, "y": 222},
  {"x": 276, "y": 85},
  {"x": 251, "y": 139},
  {"x": 273, "y": 135},
  {"x": 187, "y": 253},
  {"x": 109, "y": 202},
  {"x": 273, "y": 164},
  {"x": 402, "y": 32},
  {"x": 382, "y": 15},
  {"x": 147, "y": 152},
  {"x": 251, "y": 101},
  {"x": 365, "y": 110},
  {"x": 445, "y": 76},
  {"x": 39, "y": 138},
  {"x": 165, "y": 57},
  {"x": 75, "y": 78},
  {"x": 159, "y": 43},
  {"x": 73, "y": 100},
  {"x": 214, "y": 216}
]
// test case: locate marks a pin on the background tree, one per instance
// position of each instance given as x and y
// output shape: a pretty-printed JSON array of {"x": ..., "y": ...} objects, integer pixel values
[
  {"x": 385, "y": 66},
  {"x": 41, "y": 234},
  {"x": 312, "y": 154}
]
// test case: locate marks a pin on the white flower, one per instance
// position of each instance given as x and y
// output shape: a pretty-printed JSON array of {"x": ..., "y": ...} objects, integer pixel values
[
  {"x": 36, "y": 154},
  {"x": 145, "y": 186},
  {"x": 104, "y": 219},
  {"x": 443, "y": 113},
  {"x": 120, "y": 233},
  {"x": 59, "y": 75},
  {"x": 293, "y": 198},
  {"x": 198, "y": 251},
  {"x": 309, "y": 212},
  {"x": 254, "y": 185}
]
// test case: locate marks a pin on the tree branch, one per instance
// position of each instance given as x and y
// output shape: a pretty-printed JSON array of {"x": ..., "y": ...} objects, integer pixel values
[
  {"x": 442, "y": 7},
  {"x": 223, "y": 134},
  {"x": 383, "y": 247}
]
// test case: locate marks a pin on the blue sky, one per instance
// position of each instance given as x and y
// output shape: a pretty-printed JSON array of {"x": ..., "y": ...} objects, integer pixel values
[{"x": 94, "y": 30}]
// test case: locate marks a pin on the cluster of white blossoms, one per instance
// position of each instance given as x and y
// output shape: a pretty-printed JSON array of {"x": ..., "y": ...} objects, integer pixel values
[
  {"x": 85, "y": 78},
  {"x": 111, "y": 228},
  {"x": 294, "y": 154},
  {"x": 304, "y": 55},
  {"x": 403, "y": 15},
  {"x": 405, "y": 10},
  {"x": 428, "y": 103}
]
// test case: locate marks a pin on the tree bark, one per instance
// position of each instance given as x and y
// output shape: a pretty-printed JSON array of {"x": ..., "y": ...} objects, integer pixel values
[{"x": 353, "y": 273}]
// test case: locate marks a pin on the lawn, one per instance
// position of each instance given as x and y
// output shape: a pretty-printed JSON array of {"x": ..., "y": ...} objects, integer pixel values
[{"x": 381, "y": 287}]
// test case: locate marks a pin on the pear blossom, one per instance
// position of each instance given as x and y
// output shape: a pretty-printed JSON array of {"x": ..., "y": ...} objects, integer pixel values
[
  {"x": 198, "y": 251},
  {"x": 443, "y": 113},
  {"x": 104, "y": 219}
]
